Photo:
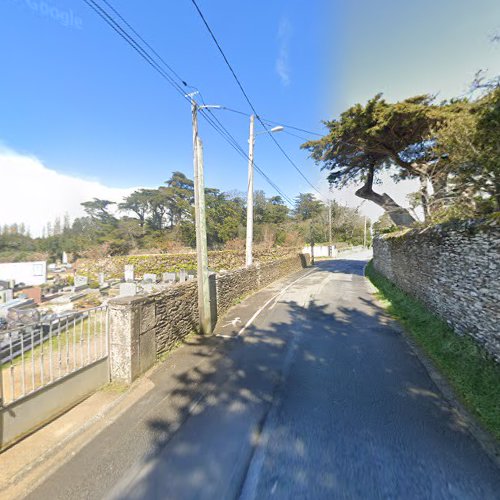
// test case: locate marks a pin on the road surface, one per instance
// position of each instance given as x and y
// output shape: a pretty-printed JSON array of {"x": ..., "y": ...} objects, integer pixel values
[{"x": 319, "y": 397}]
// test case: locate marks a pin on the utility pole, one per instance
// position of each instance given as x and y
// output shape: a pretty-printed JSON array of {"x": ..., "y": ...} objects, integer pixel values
[
  {"x": 330, "y": 245},
  {"x": 312, "y": 242},
  {"x": 249, "y": 236},
  {"x": 330, "y": 221},
  {"x": 364, "y": 235},
  {"x": 201, "y": 228}
]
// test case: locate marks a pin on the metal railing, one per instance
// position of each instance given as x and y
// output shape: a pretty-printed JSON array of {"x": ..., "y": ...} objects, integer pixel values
[{"x": 34, "y": 356}]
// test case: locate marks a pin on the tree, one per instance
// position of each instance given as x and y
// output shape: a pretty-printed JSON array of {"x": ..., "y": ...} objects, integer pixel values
[
  {"x": 180, "y": 192},
  {"x": 98, "y": 210},
  {"x": 368, "y": 139},
  {"x": 57, "y": 226},
  {"x": 307, "y": 207},
  {"x": 469, "y": 143},
  {"x": 158, "y": 201},
  {"x": 275, "y": 212},
  {"x": 138, "y": 203},
  {"x": 224, "y": 217},
  {"x": 66, "y": 223}
]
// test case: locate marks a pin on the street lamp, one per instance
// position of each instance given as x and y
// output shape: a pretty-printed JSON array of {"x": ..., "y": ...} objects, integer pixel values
[
  {"x": 279, "y": 128},
  {"x": 251, "y": 143}
]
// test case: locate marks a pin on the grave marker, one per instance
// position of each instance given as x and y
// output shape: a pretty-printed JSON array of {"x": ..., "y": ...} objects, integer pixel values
[
  {"x": 128, "y": 289},
  {"x": 81, "y": 281},
  {"x": 129, "y": 272}
]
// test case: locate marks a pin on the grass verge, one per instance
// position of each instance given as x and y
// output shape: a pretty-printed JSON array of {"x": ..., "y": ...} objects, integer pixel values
[{"x": 474, "y": 376}]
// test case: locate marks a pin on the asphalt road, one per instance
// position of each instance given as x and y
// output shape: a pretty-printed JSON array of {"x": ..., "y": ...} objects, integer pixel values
[{"x": 320, "y": 397}]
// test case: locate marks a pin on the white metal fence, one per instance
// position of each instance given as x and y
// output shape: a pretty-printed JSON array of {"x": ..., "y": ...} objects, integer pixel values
[{"x": 35, "y": 356}]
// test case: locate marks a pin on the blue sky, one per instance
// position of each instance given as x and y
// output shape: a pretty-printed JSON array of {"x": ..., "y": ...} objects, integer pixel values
[
  {"x": 83, "y": 102},
  {"x": 78, "y": 99}
]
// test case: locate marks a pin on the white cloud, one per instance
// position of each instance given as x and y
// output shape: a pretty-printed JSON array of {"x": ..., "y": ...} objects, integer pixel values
[
  {"x": 397, "y": 190},
  {"x": 34, "y": 194},
  {"x": 282, "y": 62}
]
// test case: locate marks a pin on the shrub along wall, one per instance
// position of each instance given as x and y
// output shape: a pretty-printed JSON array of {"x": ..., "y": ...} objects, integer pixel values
[
  {"x": 145, "y": 327},
  {"x": 113, "y": 267},
  {"x": 454, "y": 269}
]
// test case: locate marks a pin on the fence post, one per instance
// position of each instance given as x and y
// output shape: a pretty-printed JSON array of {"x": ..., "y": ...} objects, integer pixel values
[
  {"x": 132, "y": 337},
  {"x": 124, "y": 328}
]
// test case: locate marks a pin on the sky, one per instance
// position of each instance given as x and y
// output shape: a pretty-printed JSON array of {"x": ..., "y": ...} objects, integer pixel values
[{"x": 82, "y": 115}]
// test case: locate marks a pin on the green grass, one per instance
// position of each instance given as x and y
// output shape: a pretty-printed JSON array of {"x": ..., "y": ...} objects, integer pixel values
[
  {"x": 472, "y": 373},
  {"x": 68, "y": 335}
]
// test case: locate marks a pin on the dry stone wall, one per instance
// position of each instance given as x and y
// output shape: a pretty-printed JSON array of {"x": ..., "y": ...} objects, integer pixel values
[
  {"x": 454, "y": 269},
  {"x": 112, "y": 267},
  {"x": 234, "y": 285},
  {"x": 145, "y": 327}
]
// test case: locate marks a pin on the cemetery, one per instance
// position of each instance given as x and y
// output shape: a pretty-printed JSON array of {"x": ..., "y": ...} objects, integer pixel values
[{"x": 64, "y": 291}]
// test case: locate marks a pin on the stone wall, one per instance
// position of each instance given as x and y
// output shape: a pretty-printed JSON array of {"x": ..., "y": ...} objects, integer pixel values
[
  {"x": 145, "y": 327},
  {"x": 113, "y": 267},
  {"x": 454, "y": 269},
  {"x": 234, "y": 285}
]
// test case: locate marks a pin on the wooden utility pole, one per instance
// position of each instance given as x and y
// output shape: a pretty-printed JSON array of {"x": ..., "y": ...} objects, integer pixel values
[
  {"x": 249, "y": 235},
  {"x": 330, "y": 244},
  {"x": 312, "y": 242},
  {"x": 201, "y": 229},
  {"x": 330, "y": 221}
]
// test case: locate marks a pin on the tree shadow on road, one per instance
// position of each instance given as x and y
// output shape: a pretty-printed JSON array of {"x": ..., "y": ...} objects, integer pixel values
[
  {"x": 347, "y": 266},
  {"x": 345, "y": 405}
]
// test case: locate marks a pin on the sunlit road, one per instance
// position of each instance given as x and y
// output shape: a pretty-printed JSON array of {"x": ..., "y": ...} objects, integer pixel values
[{"x": 320, "y": 397}]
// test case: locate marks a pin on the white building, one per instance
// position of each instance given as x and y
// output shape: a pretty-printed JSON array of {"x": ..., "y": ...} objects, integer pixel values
[
  {"x": 29, "y": 273},
  {"x": 321, "y": 250}
]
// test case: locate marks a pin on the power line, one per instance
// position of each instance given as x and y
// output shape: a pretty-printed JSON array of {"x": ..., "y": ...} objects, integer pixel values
[
  {"x": 156, "y": 66},
  {"x": 293, "y": 128},
  {"x": 234, "y": 143},
  {"x": 146, "y": 43},
  {"x": 296, "y": 135},
  {"x": 133, "y": 43},
  {"x": 248, "y": 99},
  {"x": 273, "y": 122}
]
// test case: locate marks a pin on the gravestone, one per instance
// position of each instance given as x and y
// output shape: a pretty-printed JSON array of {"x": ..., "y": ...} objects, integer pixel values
[
  {"x": 6, "y": 295},
  {"x": 190, "y": 277},
  {"x": 149, "y": 277},
  {"x": 128, "y": 289},
  {"x": 148, "y": 287},
  {"x": 182, "y": 276},
  {"x": 81, "y": 281},
  {"x": 101, "y": 279},
  {"x": 129, "y": 272},
  {"x": 64, "y": 258},
  {"x": 168, "y": 277}
]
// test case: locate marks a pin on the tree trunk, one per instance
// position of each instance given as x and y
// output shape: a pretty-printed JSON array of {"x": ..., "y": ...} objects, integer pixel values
[
  {"x": 424, "y": 196},
  {"x": 438, "y": 199},
  {"x": 399, "y": 215}
]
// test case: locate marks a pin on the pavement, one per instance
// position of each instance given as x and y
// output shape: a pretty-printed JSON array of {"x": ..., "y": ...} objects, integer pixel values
[{"x": 307, "y": 390}]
